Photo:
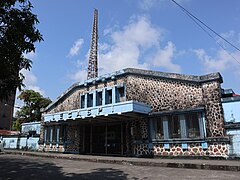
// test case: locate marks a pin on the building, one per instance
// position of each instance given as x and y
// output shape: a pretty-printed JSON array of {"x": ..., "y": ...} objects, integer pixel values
[
  {"x": 6, "y": 113},
  {"x": 231, "y": 107},
  {"x": 27, "y": 139},
  {"x": 136, "y": 112}
]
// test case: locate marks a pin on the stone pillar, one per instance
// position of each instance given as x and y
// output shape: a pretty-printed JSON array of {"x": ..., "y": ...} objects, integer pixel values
[{"x": 214, "y": 109}]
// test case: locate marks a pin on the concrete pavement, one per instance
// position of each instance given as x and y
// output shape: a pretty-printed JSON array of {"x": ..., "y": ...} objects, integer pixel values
[{"x": 226, "y": 165}]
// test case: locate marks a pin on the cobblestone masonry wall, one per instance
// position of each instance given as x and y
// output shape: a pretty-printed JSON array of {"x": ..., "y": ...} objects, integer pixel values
[
  {"x": 140, "y": 129},
  {"x": 51, "y": 148},
  {"x": 214, "y": 110},
  {"x": 167, "y": 95},
  {"x": 73, "y": 139},
  {"x": 73, "y": 99},
  {"x": 193, "y": 149}
]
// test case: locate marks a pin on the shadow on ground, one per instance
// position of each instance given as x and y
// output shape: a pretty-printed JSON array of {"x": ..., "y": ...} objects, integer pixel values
[{"x": 11, "y": 168}]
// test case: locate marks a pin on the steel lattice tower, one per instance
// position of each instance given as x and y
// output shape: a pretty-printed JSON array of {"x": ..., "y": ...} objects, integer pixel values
[{"x": 92, "y": 62}]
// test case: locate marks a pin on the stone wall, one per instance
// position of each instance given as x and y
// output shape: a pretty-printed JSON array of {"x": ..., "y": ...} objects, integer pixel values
[
  {"x": 71, "y": 100},
  {"x": 168, "y": 95},
  {"x": 193, "y": 149},
  {"x": 214, "y": 109},
  {"x": 73, "y": 139}
]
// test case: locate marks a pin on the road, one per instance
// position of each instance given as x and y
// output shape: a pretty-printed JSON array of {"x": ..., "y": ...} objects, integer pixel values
[{"x": 27, "y": 167}]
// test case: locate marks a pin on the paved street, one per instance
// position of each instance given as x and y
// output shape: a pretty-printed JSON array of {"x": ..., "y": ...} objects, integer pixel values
[{"x": 26, "y": 167}]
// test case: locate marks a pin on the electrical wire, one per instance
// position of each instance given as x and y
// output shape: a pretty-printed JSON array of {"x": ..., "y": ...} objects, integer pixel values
[{"x": 198, "y": 21}]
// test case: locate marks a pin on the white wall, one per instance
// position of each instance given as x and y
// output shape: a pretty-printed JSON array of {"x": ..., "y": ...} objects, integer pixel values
[{"x": 21, "y": 143}]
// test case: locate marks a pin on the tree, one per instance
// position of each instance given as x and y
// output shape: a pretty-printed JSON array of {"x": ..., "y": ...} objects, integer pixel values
[
  {"x": 33, "y": 103},
  {"x": 17, "y": 37}
]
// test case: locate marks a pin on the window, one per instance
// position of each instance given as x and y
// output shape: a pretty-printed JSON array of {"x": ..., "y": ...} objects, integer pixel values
[
  {"x": 82, "y": 101},
  {"x": 120, "y": 95},
  {"x": 62, "y": 133},
  {"x": 178, "y": 126},
  {"x": 159, "y": 129},
  {"x": 89, "y": 100},
  {"x": 109, "y": 96},
  {"x": 192, "y": 124},
  {"x": 174, "y": 127},
  {"x": 99, "y": 98}
]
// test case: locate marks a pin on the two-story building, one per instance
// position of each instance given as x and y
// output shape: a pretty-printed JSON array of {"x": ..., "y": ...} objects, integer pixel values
[{"x": 136, "y": 112}]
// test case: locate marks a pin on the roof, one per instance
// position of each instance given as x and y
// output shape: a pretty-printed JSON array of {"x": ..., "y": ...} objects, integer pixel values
[
  {"x": 8, "y": 132},
  {"x": 140, "y": 72}
]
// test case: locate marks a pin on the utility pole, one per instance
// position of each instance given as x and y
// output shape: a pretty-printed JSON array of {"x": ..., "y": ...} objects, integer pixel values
[{"x": 92, "y": 62}]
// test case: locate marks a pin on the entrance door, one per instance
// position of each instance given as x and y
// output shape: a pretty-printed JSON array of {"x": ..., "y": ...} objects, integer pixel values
[
  {"x": 105, "y": 139},
  {"x": 114, "y": 139},
  {"x": 98, "y": 139}
]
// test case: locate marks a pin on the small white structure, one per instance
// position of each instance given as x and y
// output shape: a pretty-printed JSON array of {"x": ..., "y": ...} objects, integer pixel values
[
  {"x": 32, "y": 127},
  {"x": 27, "y": 140},
  {"x": 231, "y": 108}
]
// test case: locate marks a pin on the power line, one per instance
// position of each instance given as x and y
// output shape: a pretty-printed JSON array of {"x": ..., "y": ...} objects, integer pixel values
[{"x": 198, "y": 21}]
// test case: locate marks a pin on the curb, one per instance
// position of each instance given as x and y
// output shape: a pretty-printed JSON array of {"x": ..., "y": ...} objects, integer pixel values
[{"x": 202, "y": 166}]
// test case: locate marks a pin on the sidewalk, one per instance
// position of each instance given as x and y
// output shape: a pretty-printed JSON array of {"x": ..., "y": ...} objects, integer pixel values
[{"x": 226, "y": 165}]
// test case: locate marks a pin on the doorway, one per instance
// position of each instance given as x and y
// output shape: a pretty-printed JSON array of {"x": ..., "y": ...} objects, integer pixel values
[{"x": 105, "y": 138}]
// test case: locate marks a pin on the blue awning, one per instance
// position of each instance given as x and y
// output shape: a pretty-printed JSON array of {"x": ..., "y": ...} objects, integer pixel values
[{"x": 98, "y": 111}]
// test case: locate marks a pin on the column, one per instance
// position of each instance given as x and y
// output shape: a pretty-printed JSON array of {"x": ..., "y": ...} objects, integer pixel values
[
  {"x": 104, "y": 96},
  {"x": 165, "y": 128},
  {"x": 45, "y": 134},
  {"x": 58, "y": 130},
  {"x": 94, "y": 98},
  {"x": 85, "y": 101},
  {"x": 51, "y": 135},
  {"x": 201, "y": 124},
  {"x": 113, "y": 95},
  {"x": 183, "y": 126}
]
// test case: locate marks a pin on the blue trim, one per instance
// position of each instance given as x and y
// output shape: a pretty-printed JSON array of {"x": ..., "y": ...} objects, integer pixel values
[
  {"x": 105, "y": 110},
  {"x": 166, "y": 146}
]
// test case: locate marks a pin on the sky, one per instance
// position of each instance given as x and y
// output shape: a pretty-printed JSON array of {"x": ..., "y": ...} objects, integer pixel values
[{"x": 148, "y": 34}]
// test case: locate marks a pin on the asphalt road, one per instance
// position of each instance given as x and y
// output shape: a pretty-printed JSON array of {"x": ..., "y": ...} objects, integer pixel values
[{"x": 26, "y": 167}]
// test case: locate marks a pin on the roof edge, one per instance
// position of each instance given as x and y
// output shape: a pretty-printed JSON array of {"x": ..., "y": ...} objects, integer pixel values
[{"x": 141, "y": 72}]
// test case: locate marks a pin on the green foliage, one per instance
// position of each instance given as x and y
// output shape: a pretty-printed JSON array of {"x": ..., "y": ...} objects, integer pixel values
[
  {"x": 17, "y": 36},
  {"x": 16, "y": 126},
  {"x": 34, "y": 102}
]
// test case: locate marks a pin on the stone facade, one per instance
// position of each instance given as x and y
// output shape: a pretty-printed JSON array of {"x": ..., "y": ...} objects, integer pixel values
[
  {"x": 193, "y": 149},
  {"x": 164, "y": 92},
  {"x": 168, "y": 95}
]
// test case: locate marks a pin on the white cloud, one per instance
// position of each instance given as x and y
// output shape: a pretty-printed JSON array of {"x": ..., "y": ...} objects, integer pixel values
[
  {"x": 164, "y": 58},
  {"x": 30, "y": 81},
  {"x": 222, "y": 60},
  {"x": 79, "y": 75},
  {"x": 132, "y": 46},
  {"x": 76, "y": 47},
  {"x": 127, "y": 44}
]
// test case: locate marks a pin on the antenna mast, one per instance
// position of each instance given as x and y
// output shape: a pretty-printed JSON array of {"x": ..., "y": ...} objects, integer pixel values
[{"x": 92, "y": 62}]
